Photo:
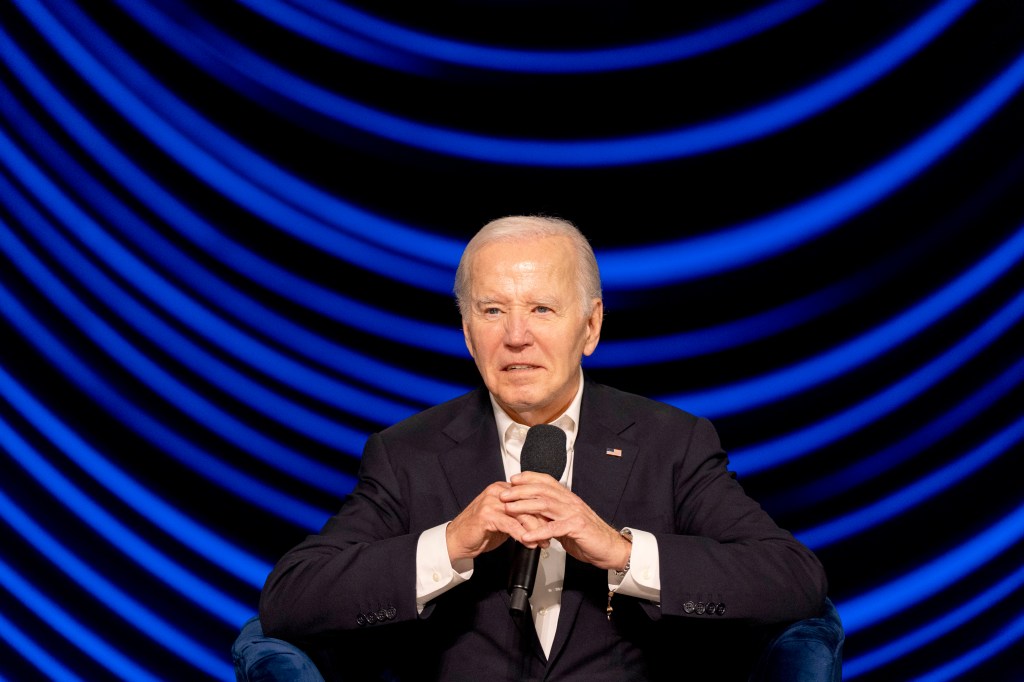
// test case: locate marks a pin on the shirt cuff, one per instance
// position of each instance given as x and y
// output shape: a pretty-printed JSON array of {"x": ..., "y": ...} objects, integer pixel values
[
  {"x": 435, "y": 573},
  {"x": 643, "y": 579}
]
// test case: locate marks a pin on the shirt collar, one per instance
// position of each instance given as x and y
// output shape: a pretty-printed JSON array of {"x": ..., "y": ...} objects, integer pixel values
[{"x": 509, "y": 429}]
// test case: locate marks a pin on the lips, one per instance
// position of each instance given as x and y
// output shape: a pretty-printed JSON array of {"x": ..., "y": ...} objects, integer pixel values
[{"x": 517, "y": 368}]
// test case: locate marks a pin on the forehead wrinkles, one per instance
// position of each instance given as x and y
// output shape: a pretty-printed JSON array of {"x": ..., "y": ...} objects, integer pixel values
[{"x": 493, "y": 269}]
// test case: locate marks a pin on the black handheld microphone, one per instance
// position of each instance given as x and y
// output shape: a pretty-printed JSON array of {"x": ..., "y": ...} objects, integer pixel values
[{"x": 544, "y": 452}]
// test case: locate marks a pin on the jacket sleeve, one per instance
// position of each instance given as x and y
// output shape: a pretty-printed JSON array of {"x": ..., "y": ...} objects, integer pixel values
[
  {"x": 358, "y": 572},
  {"x": 726, "y": 551}
]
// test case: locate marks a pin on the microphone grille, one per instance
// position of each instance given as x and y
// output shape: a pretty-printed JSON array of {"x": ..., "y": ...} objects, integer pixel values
[{"x": 544, "y": 450}]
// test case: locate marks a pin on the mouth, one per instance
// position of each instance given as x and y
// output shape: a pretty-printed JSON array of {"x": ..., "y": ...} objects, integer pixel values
[{"x": 518, "y": 368}]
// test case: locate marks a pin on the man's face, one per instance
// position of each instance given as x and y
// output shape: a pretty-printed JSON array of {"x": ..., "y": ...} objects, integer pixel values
[{"x": 526, "y": 328}]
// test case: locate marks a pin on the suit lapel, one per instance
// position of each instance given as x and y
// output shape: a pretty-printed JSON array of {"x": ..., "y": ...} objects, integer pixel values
[
  {"x": 474, "y": 461},
  {"x": 599, "y": 479}
]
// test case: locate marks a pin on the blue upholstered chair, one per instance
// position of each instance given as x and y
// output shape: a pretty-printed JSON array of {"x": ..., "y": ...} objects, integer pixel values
[{"x": 809, "y": 650}]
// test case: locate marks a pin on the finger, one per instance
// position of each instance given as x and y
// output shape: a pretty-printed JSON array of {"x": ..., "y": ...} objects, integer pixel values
[
  {"x": 532, "y": 491},
  {"x": 533, "y": 478}
]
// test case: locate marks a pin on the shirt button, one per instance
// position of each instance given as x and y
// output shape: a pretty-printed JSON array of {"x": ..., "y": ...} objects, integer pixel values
[
  {"x": 544, "y": 554},
  {"x": 437, "y": 577},
  {"x": 645, "y": 574}
]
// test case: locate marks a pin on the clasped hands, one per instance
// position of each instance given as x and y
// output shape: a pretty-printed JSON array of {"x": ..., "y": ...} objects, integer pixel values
[{"x": 534, "y": 508}]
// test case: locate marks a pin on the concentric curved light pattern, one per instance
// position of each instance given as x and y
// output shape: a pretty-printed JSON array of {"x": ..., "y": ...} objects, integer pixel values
[
  {"x": 228, "y": 234},
  {"x": 321, "y": 22}
]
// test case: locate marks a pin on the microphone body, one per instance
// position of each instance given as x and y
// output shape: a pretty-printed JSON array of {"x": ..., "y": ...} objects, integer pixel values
[{"x": 543, "y": 452}]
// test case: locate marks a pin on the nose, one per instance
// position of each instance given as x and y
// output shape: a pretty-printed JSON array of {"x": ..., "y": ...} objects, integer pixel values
[{"x": 517, "y": 329}]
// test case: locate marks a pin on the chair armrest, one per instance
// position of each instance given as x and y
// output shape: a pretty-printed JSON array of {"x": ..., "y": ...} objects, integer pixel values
[
  {"x": 809, "y": 650},
  {"x": 259, "y": 658}
]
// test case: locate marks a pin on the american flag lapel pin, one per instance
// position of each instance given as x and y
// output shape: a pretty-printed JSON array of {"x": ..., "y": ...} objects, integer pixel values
[{"x": 613, "y": 452}]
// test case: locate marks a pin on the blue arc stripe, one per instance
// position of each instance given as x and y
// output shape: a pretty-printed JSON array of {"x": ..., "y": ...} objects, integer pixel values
[
  {"x": 912, "y": 494},
  {"x": 332, "y": 25},
  {"x": 285, "y": 211},
  {"x": 885, "y": 601},
  {"x": 31, "y": 651},
  {"x": 111, "y": 596},
  {"x": 164, "y": 383},
  {"x": 178, "y": 525},
  {"x": 164, "y": 439},
  {"x": 154, "y": 561},
  {"x": 890, "y": 457},
  {"x": 614, "y": 353},
  {"x": 901, "y": 646},
  {"x": 735, "y": 246},
  {"x": 627, "y": 269},
  {"x": 230, "y": 339},
  {"x": 699, "y": 139},
  {"x": 853, "y": 354},
  {"x": 953, "y": 669},
  {"x": 82, "y": 637},
  {"x": 206, "y": 237},
  {"x": 750, "y": 460}
]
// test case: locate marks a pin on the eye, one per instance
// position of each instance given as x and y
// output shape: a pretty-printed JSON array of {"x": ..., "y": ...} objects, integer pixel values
[
  {"x": 491, "y": 311},
  {"x": 542, "y": 309}
]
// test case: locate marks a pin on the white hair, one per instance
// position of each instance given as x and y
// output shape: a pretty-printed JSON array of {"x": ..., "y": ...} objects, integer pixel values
[{"x": 520, "y": 228}]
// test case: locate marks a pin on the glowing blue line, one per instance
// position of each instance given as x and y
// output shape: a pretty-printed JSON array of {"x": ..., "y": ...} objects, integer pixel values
[
  {"x": 367, "y": 49},
  {"x": 888, "y": 458},
  {"x": 898, "y": 648},
  {"x": 203, "y": 235},
  {"x": 401, "y": 39},
  {"x": 887, "y": 600},
  {"x": 229, "y": 338},
  {"x": 120, "y": 536},
  {"x": 911, "y": 495},
  {"x": 755, "y": 240},
  {"x": 175, "y": 392},
  {"x": 623, "y": 268},
  {"x": 626, "y": 269},
  {"x": 697, "y": 342},
  {"x": 853, "y": 354},
  {"x": 76, "y": 633},
  {"x": 438, "y": 338},
  {"x": 176, "y": 524},
  {"x": 776, "y": 452},
  {"x": 234, "y": 480},
  {"x": 703, "y": 138},
  {"x": 286, "y": 214},
  {"x": 35, "y": 654},
  {"x": 1007, "y": 636},
  {"x": 115, "y": 599}
]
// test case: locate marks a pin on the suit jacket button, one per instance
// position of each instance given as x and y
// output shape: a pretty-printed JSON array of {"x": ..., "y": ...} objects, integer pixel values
[
  {"x": 371, "y": 618},
  {"x": 711, "y": 608},
  {"x": 701, "y": 607},
  {"x": 391, "y": 613},
  {"x": 688, "y": 607},
  {"x": 382, "y": 615},
  {"x": 720, "y": 610},
  {"x": 360, "y": 619}
]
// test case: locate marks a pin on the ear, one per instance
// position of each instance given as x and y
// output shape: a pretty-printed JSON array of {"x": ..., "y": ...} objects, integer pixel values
[
  {"x": 594, "y": 327},
  {"x": 468, "y": 338}
]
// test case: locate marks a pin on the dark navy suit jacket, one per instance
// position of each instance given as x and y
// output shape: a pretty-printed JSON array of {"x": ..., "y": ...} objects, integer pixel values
[{"x": 348, "y": 593}]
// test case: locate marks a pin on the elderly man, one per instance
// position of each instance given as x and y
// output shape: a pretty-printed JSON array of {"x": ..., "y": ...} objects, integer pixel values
[{"x": 650, "y": 550}]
